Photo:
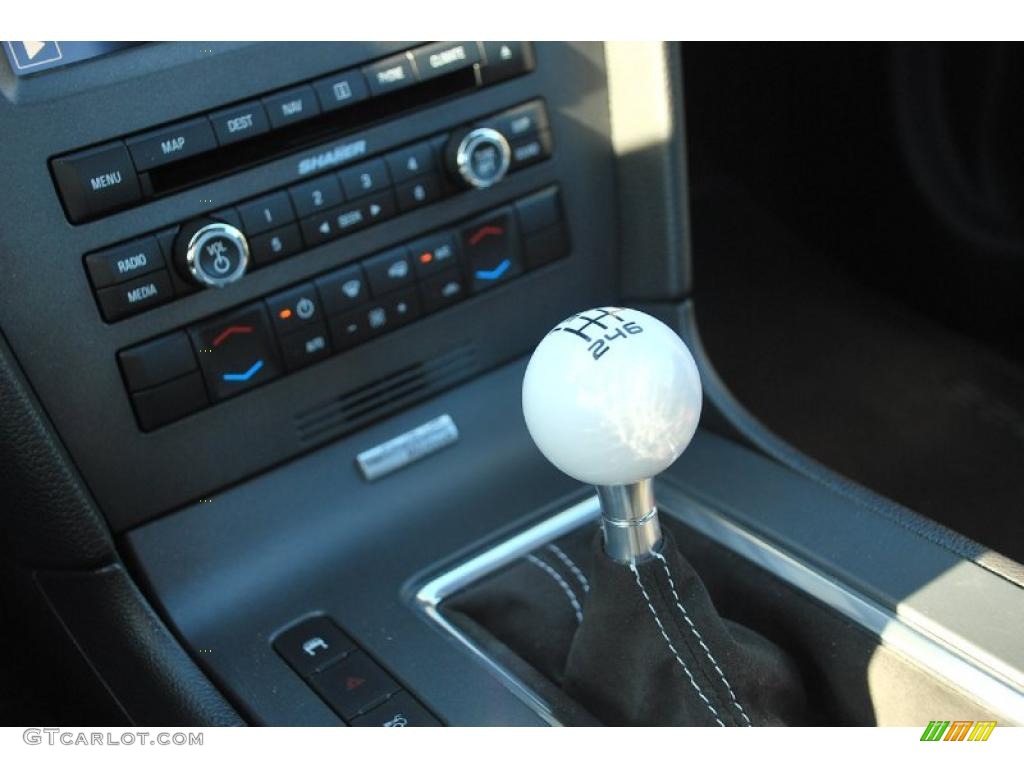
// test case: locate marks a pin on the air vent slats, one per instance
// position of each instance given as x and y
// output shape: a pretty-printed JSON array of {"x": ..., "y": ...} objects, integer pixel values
[{"x": 357, "y": 407}]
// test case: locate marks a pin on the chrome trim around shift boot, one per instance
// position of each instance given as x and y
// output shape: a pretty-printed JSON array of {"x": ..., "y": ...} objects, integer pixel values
[{"x": 999, "y": 689}]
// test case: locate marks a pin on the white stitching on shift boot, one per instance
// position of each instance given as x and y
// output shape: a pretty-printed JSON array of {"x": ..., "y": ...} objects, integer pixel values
[
  {"x": 696, "y": 633},
  {"x": 686, "y": 669},
  {"x": 571, "y": 565},
  {"x": 562, "y": 583}
]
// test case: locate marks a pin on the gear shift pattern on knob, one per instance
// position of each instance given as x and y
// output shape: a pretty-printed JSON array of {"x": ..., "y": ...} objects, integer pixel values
[{"x": 612, "y": 397}]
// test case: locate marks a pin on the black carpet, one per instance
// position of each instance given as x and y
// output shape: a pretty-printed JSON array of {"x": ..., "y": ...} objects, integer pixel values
[{"x": 894, "y": 400}]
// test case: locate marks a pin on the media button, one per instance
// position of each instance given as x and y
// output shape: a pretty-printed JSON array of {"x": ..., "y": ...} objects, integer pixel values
[{"x": 130, "y": 298}]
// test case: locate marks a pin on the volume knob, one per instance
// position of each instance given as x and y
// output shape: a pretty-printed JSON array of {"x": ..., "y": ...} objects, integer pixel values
[
  {"x": 211, "y": 253},
  {"x": 479, "y": 158}
]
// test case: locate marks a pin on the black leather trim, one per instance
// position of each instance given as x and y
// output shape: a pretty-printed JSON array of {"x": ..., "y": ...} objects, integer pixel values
[
  {"x": 143, "y": 667},
  {"x": 48, "y": 518}
]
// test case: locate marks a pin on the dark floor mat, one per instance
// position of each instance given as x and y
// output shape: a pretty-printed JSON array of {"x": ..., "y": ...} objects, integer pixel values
[{"x": 911, "y": 409}]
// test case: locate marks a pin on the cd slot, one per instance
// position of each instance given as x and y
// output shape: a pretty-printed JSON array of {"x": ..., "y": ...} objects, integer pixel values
[{"x": 224, "y": 161}]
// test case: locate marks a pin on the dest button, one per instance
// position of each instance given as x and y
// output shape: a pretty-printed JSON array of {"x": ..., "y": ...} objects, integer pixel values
[
  {"x": 236, "y": 352},
  {"x": 312, "y": 645}
]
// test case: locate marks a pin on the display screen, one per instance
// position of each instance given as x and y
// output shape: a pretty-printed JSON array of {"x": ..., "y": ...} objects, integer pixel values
[{"x": 30, "y": 56}]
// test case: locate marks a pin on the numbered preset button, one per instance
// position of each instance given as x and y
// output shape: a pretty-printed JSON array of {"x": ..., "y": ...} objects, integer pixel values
[{"x": 265, "y": 213}]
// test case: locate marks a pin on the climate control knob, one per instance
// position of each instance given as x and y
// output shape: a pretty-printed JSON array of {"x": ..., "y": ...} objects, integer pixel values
[
  {"x": 211, "y": 253},
  {"x": 478, "y": 158}
]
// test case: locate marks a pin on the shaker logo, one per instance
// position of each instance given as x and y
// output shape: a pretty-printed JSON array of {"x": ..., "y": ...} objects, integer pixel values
[{"x": 342, "y": 153}]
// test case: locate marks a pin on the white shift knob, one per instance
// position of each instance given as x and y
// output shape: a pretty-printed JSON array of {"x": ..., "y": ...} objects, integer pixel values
[{"x": 611, "y": 396}]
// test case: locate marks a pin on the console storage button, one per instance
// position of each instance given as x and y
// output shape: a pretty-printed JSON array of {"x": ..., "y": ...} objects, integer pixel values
[
  {"x": 313, "y": 644},
  {"x": 169, "y": 402},
  {"x": 400, "y": 711},
  {"x": 157, "y": 361}
]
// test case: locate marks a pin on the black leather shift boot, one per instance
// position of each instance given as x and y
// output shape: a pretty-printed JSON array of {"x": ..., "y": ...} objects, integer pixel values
[{"x": 634, "y": 646}]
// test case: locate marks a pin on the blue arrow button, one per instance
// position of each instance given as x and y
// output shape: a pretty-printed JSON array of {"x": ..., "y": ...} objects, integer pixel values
[
  {"x": 244, "y": 376},
  {"x": 494, "y": 274}
]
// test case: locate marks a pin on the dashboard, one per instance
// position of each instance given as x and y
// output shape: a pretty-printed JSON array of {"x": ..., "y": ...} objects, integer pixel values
[{"x": 314, "y": 238}]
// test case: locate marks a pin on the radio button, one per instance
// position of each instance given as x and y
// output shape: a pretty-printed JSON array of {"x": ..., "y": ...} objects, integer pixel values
[
  {"x": 389, "y": 270},
  {"x": 175, "y": 142},
  {"x": 96, "y": 181},
  {"x": 124, "y": 262},
  {"x": 265, "y": 213},
  {"x": 410, "y": 162},
  {"x": 341, "y": 90},
  {"x": 365, "y": 178},
  {"x": 239, "y": 123},
  {"x": 136, "y": 296},
  {"x": 291, "y": 106},
  {"x": 317, "y": 195},
  {"x": 276, "y": 244}
]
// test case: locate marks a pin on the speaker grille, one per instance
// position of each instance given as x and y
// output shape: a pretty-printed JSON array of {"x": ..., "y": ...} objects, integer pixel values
[{"x": 358, "y": 407}]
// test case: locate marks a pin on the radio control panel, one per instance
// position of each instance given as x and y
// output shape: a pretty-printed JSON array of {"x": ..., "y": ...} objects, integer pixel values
[{"x": 217, "y": 250}]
